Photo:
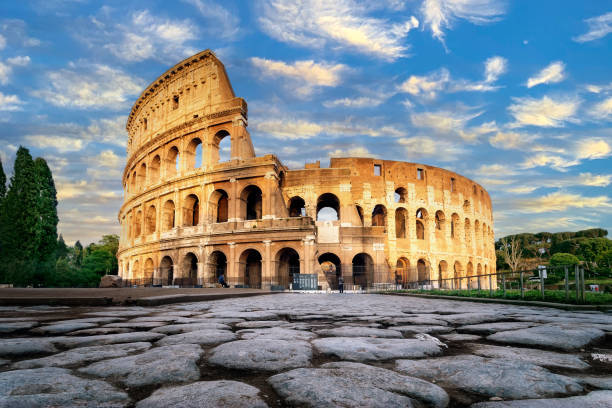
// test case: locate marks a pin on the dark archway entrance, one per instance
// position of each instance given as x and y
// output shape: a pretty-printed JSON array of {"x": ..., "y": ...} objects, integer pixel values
[
  {"x": 331, "y": 267},
  {"x": 363, "y": 270}
]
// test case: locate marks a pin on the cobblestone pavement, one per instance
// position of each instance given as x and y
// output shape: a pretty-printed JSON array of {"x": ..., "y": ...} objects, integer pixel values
[{"x": 319, "y": 350}]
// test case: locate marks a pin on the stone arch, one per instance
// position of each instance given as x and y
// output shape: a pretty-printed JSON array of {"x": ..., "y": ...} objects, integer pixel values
[
  {"x": 154, "y": 168},
  {"x": 379, "y": 216},
  {"x": 440, "y": 220},
  {"x": 328, "y": 207},
  {"x": 251, "y": 202},
  {"x": 401, "y": 214},
  {"x": 360, "y": 214},
  {"x": 148, "y": 269},
  {"x": 468, "y": 234},
  {"x": 454, "y": 226},
  {"x": 189, "y": 270},
  {"x": 136, "y": 270},
  {"x": 421, "y": 222},
  {"x": 363, "y": 270},
  {"x": 141, "y": 176},
  {"x": 133, "y": 184},
  {"x": 172, "y": 162},
  {"x": 168, "y": 215},
  {"x": 467, "y": 207},
  {"x": 138, "y": 223},
  {"x": 250, "y": 268},
  {"x": 457, "y": 274},
  {"x": 218, "y": 206},
  {"x": 423, "y": 273},
  {"x": 297, "y": 207},
  {"x": 166, "y": 271},
  {"x": 191, "y": 210},
  {"x": 191, "y": 153},
  {"x": 400, "y": 195},
  {"x": 332, "y": 268},
  {"x": 219, "y": 145},
  {"x": 217, "y": 263},
  {"x": 151, "y": 220},
  {"x": 470, "y": 274},
  {"x": 402, "y": 270},
  {"x": 443, "y": 275},
  {"x": 287, "y": 265}
]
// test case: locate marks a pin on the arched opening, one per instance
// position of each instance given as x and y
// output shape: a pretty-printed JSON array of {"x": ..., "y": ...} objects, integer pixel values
[
  {"x": 136, "y": 272},
  {"x": 379, "y": 216},
  {"x": 191, "y": 210},
  {"x": 466, "y": 206},
  {"x": 454, "y": 225},
  {"x": 421, "y": 218},
  {"x": 148, "y": 271},
  {"x": 142, "y": 176},
  {"x": 458, "y": 273},
  {"x": 402, "y": 271},
  {"x": 193, "y": 154},
  {"x": 168, "y": 216},
  {"x": 288, "y": 265},
  {"x": 151, "y": 220},
  {"x": 189, "y": 270},
  {"x": 328, "y": 207},
  {"x": 477, "y": 235},
  {"x": 468, "y": 233},
  {"x": 251, "y": 203},
  {"x": 138, "y": 224},
  {"x": 218, "y": 264},
  {"x": 250, "y": 264},
  {"x": 363, "y": 270},
  {"x": 443, "y": 275},
  {"x": 400, "y": 195},
  {"x": 331, "y": 267},
  {"x": 440, "y": 219},
  {"x": 166, "y": 271},
  {"x": 297, "y": 207},
  {"x": 479, "y": 275},
  {"x": 172, "y": 162},
  {"x": 400, "y": 222},
  {"x": 218, "y": 206},
  {"x": 470, "y": 275},
  {"x": 222, "y": 147},
  {"x": 133, "y": 185},
  {"x": 154, "y": 167},
  {"x": 422, "y": 272},
  {"x": 360, "y": 214}
]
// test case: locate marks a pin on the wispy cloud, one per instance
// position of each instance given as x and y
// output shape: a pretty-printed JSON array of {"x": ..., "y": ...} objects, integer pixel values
[
  {"x": 450, "y": 123},
  {"x": 306, "y": 74},
  {"x": 60, "y": 143},
  {"x": 439, "y": 15},
  {"x": 551, "y": 74},
  {"x": 359, "y": 102},
  {"x": 341, "y": 24},
  {"x": 545, "y": 112},
  {"x": 223, "y": 22},
  {"x": 357, "y": 151},
  {"x": 10, "y": 102},
  {"x": 599, "y": 27},
  {"x": 603, "y": 109},
  {"x": 419, "y": 147},
  {"x": 560, "y": 201}
]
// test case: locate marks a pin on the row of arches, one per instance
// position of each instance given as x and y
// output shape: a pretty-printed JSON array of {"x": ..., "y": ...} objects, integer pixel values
[
  {"x": 456, "y": 277},
  {"x": 171, "y": 162}
]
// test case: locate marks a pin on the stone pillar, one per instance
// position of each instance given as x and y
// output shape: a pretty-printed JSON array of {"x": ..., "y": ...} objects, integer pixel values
[
  {"x": 231, "y": 269},
  {"x": 268, "y": 277},
  {"x": 176, "y": 273},
  {"x": 201, "y": 273},
  {"x": 233, "y": 205}
]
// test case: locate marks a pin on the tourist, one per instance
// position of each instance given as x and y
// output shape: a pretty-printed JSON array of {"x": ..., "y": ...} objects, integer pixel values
[
  {"x": 222, "y": 281},
  {"x": 341, "y": 284}
]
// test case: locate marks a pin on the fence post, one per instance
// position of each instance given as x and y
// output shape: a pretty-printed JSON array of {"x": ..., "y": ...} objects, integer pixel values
[
  {"x": 582, "y": 286},
  {"x": 490, "y": 286},
  {"x": 577, "y": 279},
  {"x": 504, "y": 283},
  {"x": 541, "y": 283},
  {"x": 522, "y": 288},
  {"x": 566, "y": 284}
]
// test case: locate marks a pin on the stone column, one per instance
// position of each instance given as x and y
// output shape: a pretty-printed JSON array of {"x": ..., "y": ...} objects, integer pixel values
[
  {"x": 231, "y": 269},
  {"x": 267, "y": 275},
  {"x": 233, "y": 205},
  {"x": 201, "y": 273}
]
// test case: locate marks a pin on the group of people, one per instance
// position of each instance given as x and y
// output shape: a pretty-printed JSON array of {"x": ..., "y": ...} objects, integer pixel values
[{"x": 224, "y": 284}]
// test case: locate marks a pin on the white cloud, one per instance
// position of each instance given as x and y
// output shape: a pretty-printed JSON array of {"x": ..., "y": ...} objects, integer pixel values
[
  {"x": 548, "y": 160},
  {"x": 593, "y": 149},
  {"x": 2, "y": 42},
  {"x": 603, "y": 109},
  {"x": 599, "y": 27},
  {"x": 560, "y": 201},
  {"x": 341, "y": 23},
  {"x": 6, "y": 69},
  {"x": 440, "y": 14},
  {"x": 308, "y": 74},
  {"x": 546, "y": 112},
  {"x": 289, "y": 129},
  {"x": 60, "y": 143},
  {"x": 585, "y": 149},
  {"x": 451, "y": 122},
  {"x": 10, "y": 102},
  {"x": 599, "y": 88},
  {"x": 418, "y": 147},
  {"x": 494, "y": 68},
  {"x": 227, "y": 22},
  {"x": 551, "y": 74},
  {"x": 90, "y": 86},
  {"x": 427, "y": 86},
  {"x": 108, "y": 130},
  {"x": 512, "y": 140},
  {"x": 358, "y": 151},
  {"x": 107, "y": 158},
  {"x": 19, "y": 61},
  {"x": 359, "y": 102},
  {"x": 594, "y": 180}
]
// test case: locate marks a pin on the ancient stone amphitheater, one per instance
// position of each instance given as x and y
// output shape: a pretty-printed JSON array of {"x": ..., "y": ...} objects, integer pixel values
[{"x": 195, "y": 208}]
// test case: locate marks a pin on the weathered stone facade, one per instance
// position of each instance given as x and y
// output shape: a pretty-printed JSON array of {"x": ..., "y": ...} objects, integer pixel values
[{"x": 257, "y": 222}]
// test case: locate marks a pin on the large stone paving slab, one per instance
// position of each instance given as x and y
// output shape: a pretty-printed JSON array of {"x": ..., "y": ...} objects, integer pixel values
[
  {"x": 202, "y": 337},
  {"x": 595, "y": 399},
  {"x": 345, "y": 384},
  {"x": 559, "y": 337},
  {"x": 160, "y": 365},
  {"x": 84, "y": 355},
  {"x": 356, "y": 331},
  {"x": 24, "y": 346},
  {"x": 230, "y": 394},
  {"x": 61, "y": 328},
  {"x": 132, "y": 337},
  {"x": 262, "y": 354},
  {"x": 508, "y": 379},
  {"x": 56, "y": 387},
  {"x": 184, "y": 328},
  {"x": 276, "y": 333},
  {"x": 490, "y": 328},
  {"x": 369, "y": 348},
  {"x": 10, "y": 327},
  {"x": 538, "y": 357}
]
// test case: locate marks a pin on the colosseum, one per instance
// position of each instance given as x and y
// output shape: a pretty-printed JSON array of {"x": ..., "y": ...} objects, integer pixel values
[{"x": 199, "y": 204}]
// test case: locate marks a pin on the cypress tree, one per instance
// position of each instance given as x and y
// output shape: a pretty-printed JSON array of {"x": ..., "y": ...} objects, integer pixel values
[
  {"x": 18, "y": 220},
  {"x": 2, "y": 182},
  {"x": 78, "y": 253},
  {"x": 46, "y": 228}
]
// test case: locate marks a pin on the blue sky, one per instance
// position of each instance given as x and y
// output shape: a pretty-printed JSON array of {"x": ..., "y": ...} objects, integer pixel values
[{"x": 514, "y": 94}]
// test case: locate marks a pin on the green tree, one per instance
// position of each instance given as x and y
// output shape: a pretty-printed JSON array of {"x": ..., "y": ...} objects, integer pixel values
[
  {"x": 78, "y": 254},
  {"x": 98, "y": 261},
  {"x": 2, "y": 182},
  {"x": 46, "y": 205},
  {"x": 61, "y": 250},
  {"x": 18, "y": 221},
  {"x": 605, "y": 259},
  {"x": 562, "y": 259}
]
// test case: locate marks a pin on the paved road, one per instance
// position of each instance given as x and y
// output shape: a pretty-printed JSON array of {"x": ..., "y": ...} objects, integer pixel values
[{"x": 306, "y": 350}]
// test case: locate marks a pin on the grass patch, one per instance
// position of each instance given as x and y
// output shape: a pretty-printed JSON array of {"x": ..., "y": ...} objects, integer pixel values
[{"x": 556, "y": 296}]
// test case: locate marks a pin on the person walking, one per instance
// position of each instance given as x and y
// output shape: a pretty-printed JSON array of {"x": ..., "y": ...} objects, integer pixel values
[
  {"x": 222, "y": 281},
  {"x": 341, "y": 284}
]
